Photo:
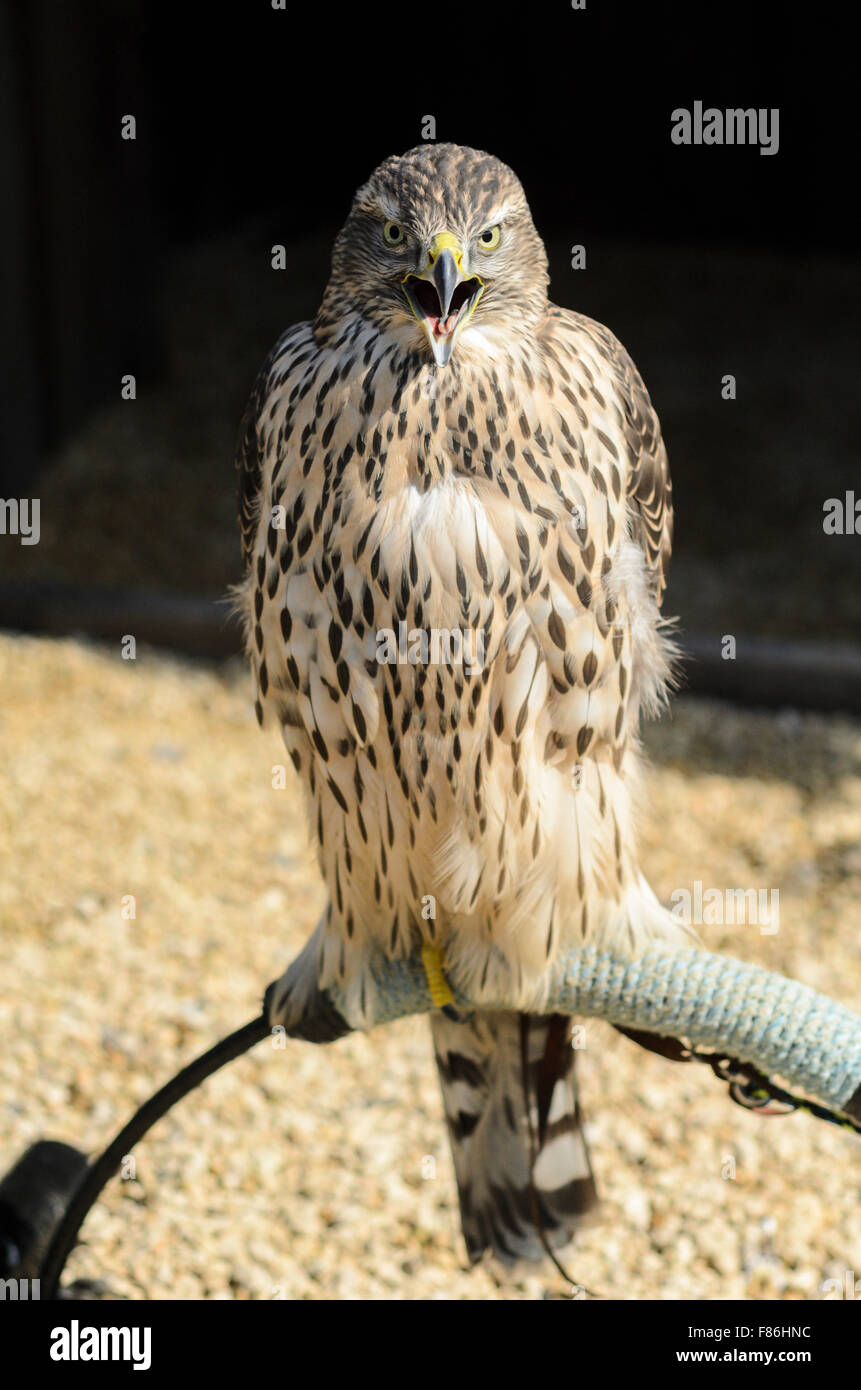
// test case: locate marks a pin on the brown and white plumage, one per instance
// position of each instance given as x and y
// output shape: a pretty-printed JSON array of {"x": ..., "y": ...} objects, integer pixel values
[{"x": 520, "y": 491}]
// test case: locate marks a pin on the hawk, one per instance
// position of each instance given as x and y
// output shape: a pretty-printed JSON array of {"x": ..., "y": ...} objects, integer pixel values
[{"x": 444, "y": 451}]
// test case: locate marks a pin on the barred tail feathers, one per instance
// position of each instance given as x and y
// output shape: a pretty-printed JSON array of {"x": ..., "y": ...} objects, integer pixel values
[{"x": 509, "y": 1092}]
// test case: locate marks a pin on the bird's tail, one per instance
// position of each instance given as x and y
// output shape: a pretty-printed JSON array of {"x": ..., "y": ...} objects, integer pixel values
[{"x": 523, "y": 1172}]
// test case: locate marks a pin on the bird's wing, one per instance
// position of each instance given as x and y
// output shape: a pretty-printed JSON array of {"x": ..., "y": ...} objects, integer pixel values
[
  {"x": 636, "y": 438},
  {"x": 586, "y": 523},
  {"x": 609, "y": 438},
  {"x": 307, "y": 654},
  {"x": 250, "y": 452}
]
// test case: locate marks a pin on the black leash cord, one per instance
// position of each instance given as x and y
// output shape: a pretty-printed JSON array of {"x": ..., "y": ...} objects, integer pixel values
[{"x": 102, "y": 1169}]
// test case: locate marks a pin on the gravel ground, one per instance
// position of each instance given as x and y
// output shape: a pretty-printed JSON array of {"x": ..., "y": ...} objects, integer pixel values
[{"x": 324, "y": 1173}]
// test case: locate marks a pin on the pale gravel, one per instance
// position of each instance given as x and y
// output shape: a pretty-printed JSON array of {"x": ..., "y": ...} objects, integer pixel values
[{"x": 325, "y": 1173}]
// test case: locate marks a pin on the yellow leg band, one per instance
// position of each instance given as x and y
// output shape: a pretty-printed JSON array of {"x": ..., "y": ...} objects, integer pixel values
[{"x": 437, "y": 983}]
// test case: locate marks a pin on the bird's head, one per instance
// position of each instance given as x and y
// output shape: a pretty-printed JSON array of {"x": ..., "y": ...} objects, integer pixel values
[{"x": 439, "y": 243}]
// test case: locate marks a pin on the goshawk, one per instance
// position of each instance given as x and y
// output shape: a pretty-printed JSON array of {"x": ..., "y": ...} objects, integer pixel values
[{"x": 456, "y": 521}]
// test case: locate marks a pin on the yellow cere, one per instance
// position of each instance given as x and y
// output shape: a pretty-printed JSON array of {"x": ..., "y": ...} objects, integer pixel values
[{"x": 445, "y": 241}]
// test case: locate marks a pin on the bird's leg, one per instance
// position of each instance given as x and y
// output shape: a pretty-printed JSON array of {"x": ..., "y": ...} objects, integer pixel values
[
  {"x": 440, "y": 991},
  {"x": 296, "y": 1002}
]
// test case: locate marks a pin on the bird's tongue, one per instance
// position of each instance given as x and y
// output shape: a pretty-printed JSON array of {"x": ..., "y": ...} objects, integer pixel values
[
  {"x": 426, "y": 298},
  {"x": 444, "y": 329}
]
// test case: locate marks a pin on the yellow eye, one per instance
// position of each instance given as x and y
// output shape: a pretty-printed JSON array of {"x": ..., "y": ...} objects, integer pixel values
[
  {"x": 393, "y": 234},
  {"x": 489, "y": 239}
]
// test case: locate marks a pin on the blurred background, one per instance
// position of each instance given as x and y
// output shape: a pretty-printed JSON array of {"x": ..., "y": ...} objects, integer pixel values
[{"x": 254, "y": 127}]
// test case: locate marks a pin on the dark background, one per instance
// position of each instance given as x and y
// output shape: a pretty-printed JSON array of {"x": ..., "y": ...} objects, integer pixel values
[{"x": 254, "y": 126}]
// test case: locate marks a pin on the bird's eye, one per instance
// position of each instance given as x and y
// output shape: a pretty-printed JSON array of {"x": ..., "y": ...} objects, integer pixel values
[
  {"x": 393, "y": 234},
  {"x": 489, "y": 239}
]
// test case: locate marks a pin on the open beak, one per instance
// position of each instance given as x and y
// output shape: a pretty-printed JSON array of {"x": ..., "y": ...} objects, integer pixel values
[{"x": 441, "y": 296}]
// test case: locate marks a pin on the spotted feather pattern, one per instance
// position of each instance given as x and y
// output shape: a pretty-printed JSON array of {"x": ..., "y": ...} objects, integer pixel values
[{"x": 520, "y": 494}]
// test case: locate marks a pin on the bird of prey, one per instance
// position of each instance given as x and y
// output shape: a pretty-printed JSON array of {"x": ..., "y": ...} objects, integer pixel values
[{"x": 444, "y": 451}]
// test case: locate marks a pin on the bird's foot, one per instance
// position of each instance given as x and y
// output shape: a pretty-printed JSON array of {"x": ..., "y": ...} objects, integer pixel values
[{"x": 438, "y": 985}]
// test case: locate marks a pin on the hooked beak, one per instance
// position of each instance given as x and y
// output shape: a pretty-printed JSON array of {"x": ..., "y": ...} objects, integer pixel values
[{"x": 441, "y": 296}]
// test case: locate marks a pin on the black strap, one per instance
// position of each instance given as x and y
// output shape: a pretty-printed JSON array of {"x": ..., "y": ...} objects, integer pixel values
[
  {"x": 102, "y": 1169},
  {"x": 748, "y": 1087}
]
